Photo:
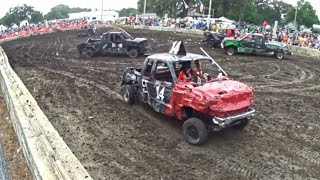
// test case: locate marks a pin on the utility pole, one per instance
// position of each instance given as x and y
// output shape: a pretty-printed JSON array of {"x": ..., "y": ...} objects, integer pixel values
[
  {"x": 144, "y": 12},
  {"x": 209, "y": 14},
  {"x": 102, "y": 10},
  {"x": 212, "y": 13},
  {"x": 295, "y": 17}
]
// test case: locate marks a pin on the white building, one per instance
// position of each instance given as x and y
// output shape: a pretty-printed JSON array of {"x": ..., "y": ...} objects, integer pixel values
[
  {"x": 96, "y": 15},
  {"x": 2, "y": 28}
]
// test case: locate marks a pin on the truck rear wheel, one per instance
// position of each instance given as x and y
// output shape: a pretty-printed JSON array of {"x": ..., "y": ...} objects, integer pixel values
[
  {"x": 195, "y": 131},
  {"x": 133, "y": 53},
  {"x": 128, "y": 95}
]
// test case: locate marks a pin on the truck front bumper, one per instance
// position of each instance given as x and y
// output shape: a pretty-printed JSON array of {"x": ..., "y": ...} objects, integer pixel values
[
  {"x": 147, "y": 51},
  {"x": 223, "y": 122},
  {"x": 288, "y": 53},
  {"x": 221, "y": 45}
]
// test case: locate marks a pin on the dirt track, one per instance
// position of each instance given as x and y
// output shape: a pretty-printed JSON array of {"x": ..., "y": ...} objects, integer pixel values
[{"x": 114, "y": 140}]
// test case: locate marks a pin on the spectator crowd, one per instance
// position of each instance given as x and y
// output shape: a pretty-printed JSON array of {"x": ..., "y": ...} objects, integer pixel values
[
  {"x": 40, "y": 27},
  {"x": 303, "y": 39}
]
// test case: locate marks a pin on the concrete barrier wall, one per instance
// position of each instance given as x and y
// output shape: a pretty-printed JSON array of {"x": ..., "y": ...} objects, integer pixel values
[
  {"x": 301, "y": 51},
  {"x": 177, "y": 30},
  {"x": 47, "y": 155}
]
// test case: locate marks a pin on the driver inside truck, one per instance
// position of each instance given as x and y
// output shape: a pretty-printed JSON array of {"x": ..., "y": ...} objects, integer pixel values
[
  {"x": 198, "y": 69},
  {"x": 199, "y": 73},
  {"x": 186, "y": 72}
]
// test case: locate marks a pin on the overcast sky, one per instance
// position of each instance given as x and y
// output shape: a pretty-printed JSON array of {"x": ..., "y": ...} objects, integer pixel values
[{"x": 45, "y": 5}]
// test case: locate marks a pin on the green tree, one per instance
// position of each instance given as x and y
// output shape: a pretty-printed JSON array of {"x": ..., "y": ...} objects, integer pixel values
[
  {"x": 128, "y": 12},
  {"x": 159, "y": 7},
  {"x": 255, "y": 11},
  {"x": 36, "y": 17},
  {"x": 306, "y": 15},
  {"x": 248, "y": 13},
  {"x": 78, "y": 9},
  {"x": 271, "y": 10},
  {"x": 17, "y": 14},
  {"x": 58, "y": 12}
]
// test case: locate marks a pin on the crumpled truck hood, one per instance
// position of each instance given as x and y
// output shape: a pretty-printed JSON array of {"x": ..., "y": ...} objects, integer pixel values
[
  {"x": 218, "y": 97},
  {"x": 226, "y": 95}
]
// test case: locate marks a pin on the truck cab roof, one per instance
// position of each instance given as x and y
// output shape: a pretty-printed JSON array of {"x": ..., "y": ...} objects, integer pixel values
[{"x": 173, "y": 58}]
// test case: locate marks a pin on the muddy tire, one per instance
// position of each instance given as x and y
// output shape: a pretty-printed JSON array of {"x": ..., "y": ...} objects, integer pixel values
[
  {"x": 195, "y": 131},
  {"x": 243, "y": 124},
  {"x": 279, "y": 55},
  {"x": 231, "y": 51},
  {"x": 87, "y": 53},
  {"x": 210, "y": 44},
  {"x": 133, "y": 53},
  {"x": 128, "y": 95}
]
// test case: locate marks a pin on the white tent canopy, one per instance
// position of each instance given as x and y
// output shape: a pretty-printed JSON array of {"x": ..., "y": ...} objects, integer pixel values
[
  {"x": 2, "y": 27},
  {"x": 316, "y": 26},
  {"x": 223, "y": 19}
]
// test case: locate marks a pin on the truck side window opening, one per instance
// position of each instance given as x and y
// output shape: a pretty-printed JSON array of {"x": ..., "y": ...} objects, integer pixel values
[
  {"x": 117, "y": 38},
  {"x": 149, "y": 65},
  {"x": 111, "y": 37},
  {"x": 162, "y": 67},
  {"x": 163, "y": 72}
]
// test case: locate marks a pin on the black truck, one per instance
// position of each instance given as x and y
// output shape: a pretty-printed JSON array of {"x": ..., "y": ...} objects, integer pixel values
[
  {"x": 212, "y": 39},
  {"x": 114, "y": 43}
]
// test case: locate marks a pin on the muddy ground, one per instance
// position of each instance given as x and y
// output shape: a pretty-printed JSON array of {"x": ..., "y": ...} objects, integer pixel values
[{"x": 115, "y": 140}]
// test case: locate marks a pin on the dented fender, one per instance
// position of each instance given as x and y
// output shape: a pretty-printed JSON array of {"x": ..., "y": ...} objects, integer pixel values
[{"x": 216, "y": 99}]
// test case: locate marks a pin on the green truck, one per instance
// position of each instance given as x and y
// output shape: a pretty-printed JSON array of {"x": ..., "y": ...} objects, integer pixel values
[{"x": 255, "y": 44}]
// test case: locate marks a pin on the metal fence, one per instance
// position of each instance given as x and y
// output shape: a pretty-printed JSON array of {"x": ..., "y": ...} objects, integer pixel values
[{"x": 3, "y": 165}]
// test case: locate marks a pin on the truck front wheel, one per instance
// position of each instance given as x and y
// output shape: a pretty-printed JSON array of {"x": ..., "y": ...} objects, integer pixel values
[
  {"x": 231, "y": 51},
  {"x": 87, "y": 53},
  {"x": 195, "y": 131},
  {"x": 128, "y": 95},
  {"x": 279, "y": 55}
]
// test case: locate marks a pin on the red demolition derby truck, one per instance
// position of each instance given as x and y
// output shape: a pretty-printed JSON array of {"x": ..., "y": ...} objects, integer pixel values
[{"x": 192, "y": 88}]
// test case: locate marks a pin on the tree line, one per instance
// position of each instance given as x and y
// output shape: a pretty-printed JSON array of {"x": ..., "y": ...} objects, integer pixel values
[
  {"x": 255, "y": 11},
  {"x": 25, "y": 12}
]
